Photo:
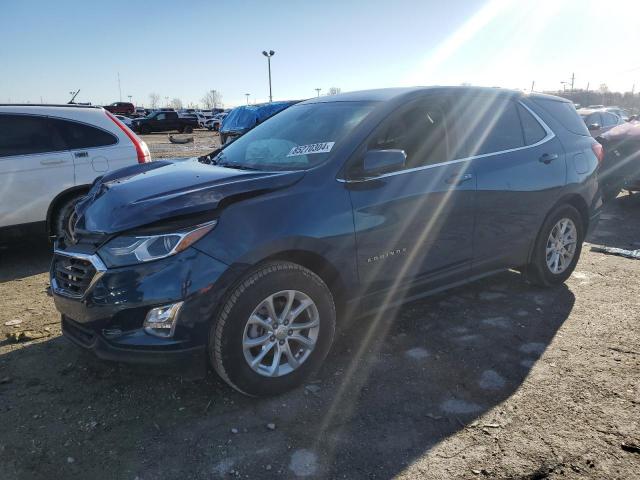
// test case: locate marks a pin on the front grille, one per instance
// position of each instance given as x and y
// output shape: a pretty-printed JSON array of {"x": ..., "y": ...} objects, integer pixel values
[{"x": 73, "y": 275}]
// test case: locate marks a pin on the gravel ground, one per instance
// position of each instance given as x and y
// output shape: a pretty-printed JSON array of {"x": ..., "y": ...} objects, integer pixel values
[
  {"x": 497, "y": 379},
  {"x": 159, "y": 145}
]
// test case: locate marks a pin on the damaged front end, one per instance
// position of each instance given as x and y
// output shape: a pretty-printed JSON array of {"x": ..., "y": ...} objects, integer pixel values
[{"x": 130, "y": 284}]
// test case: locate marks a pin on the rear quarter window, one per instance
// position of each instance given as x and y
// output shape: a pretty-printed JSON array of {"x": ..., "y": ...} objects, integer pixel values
[
  {"x": 533, "y": 131},
  {"x": 564, "y": 113},
  {"x": 79, "y": 135}
]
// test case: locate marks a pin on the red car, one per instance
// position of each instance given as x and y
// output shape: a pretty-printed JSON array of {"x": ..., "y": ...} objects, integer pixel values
[{"x": 121, "y": 108}]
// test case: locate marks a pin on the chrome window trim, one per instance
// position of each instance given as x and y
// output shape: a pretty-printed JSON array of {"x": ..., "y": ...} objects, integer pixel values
[
  {"x": 94, "y": 259},
  {"x": 549, "y": 136}
]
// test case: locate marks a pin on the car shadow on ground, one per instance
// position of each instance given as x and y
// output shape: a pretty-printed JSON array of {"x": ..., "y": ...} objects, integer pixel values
[
  {"x": 393, "y": 386},
  {"x": 24, "y": 258},
  {"x": 618, "y": 223}
]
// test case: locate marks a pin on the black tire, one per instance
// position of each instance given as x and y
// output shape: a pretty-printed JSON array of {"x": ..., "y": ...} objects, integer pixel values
[
  {"x": 63, "y": 217},
  {"x": 188, "y": 129},
  {"x": 180, "y": 129},
  {"x": 226, "y": 333},
  {"x": 538, "y": 272},
  {"x": 144, "y": 129}
]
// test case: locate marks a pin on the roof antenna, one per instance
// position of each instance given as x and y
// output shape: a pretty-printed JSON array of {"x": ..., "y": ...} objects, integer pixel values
[{"x": 75, "y": 94}]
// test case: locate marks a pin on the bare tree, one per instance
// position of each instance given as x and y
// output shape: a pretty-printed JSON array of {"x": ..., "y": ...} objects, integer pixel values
[
  {"x": 176, "y": 103},
  {"x": 154, "y": 100},
  {"x": 212, "y": 99},
  {"x": 334, "y": 91}
]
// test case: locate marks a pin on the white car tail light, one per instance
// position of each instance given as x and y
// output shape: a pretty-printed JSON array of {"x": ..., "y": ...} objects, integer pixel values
[{"x": 142, "y": 151}]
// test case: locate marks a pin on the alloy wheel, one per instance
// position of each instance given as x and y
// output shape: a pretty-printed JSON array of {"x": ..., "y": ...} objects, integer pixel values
[
  {"x": 561, "y": 245},
  {"x": 281, "y": 333}
]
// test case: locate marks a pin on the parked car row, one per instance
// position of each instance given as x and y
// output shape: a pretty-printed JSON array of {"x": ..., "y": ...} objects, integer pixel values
[{"x": 332, "y": 207}]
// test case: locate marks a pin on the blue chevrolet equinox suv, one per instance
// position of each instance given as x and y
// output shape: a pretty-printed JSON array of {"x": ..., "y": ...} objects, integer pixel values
[{"x": 334, "y": 208}]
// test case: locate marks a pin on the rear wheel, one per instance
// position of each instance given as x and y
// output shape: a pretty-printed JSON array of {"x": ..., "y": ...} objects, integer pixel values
[
  {"x": 188, "y": 129},
  {"x": 274, "y": 330},
  {"x": 558, "y": 247}
]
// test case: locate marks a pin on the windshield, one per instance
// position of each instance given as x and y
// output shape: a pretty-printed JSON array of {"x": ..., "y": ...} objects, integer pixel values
[{"x": 297, "y": 138}]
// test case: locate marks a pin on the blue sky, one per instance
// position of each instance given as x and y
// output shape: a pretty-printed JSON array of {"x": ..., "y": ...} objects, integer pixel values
[{"x": 182, "y": 49}]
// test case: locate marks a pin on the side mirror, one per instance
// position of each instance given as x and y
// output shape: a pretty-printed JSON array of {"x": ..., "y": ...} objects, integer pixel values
[
  {"x": 594, "y": 126},
  {"x": 377, "y": 162}
]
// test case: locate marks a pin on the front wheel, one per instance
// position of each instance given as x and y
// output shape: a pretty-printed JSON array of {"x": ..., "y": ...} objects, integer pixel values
[
  {"x": 274, "y": 330},
  {"x": 64, "y": 218},
  {"x": 557, "y": 247}
]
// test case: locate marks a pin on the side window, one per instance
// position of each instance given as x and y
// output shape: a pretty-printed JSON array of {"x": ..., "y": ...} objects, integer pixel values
[
  {"x": 608, "y": 119},
  {"x": 593, "y": 119},
  {"x": 419, "y": 130},
  {"x": 161, "y": 116},
  {"x": 533, "y": 131},
  {"x": 26, "y": 134},
  {"x": 495, "y": 127},
  {"x": 78, "y": 135}
]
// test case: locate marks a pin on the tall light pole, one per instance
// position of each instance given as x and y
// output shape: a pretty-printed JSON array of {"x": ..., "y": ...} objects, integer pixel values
[
  {"x": 318, "y": 90},
  {"x": 269, "y": 54},
  {"x": 247, "y": 95},
  {"x": 130, "y": 97}
]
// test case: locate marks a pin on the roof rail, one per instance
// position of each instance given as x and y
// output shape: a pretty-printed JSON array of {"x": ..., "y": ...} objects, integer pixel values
[{"x": 75, "y": 105}]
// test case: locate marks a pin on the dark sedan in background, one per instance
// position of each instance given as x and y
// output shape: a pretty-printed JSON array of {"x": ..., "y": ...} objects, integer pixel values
[{"x": 621, "y": 165}]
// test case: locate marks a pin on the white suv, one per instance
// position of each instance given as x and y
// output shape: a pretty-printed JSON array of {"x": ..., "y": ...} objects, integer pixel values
[{"x": 49, "y": 157}]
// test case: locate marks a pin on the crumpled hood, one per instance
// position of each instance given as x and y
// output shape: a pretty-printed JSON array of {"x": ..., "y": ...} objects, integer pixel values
[{"x": 143, "y": 194}]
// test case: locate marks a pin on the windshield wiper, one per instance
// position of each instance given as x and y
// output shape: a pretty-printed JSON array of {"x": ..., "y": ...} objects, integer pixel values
[{"x": 237, "y": 166}]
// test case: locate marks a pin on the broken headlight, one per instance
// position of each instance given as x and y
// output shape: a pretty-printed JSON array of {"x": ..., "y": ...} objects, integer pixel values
[{"x": 132, "y": 249}]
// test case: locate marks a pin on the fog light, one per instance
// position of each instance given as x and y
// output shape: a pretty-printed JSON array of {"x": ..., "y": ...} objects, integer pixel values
[{"x": 161, "y": 321}]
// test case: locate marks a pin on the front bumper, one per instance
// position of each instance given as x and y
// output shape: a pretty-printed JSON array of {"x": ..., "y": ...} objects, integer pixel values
[{"x": 107, "y": 319}]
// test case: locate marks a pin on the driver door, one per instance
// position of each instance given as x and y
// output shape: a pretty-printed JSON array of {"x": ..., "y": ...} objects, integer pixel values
[{"x": 414, "y": 225}]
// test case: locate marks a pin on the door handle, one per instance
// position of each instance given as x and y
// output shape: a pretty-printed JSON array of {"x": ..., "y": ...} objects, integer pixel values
[
  {"x": 51, "y": 162},
  {"x": 547, "y": 158},
  {"x": 458, "y": 179},
  {"x": 81, "y": 154}
]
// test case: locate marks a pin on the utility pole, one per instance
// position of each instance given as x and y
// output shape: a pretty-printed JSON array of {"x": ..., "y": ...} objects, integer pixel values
[
  {"x": 318, "y": 90},
  {"x": 119, "y": 87},
  {"x": 573, "y": 79},
  {"x": 269, "y": 54},
  {"x": 130, "y": 97},
  {"x": 532, "y": 85},
  {"x": 247, "y": 95},
  {"x": 587, "y": 87}
]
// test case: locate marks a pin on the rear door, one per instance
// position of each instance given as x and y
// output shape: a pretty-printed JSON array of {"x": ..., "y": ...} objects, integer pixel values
[
  {"x": 89, "y": 147},
  {"x": 416, "y": 224},
  {"x": 34, "y": 168},
  {"x": 520, "y": 169}
]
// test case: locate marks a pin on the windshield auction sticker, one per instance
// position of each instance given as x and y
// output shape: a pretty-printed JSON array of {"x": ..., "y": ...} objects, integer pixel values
[{"x": 324, "y": 147}]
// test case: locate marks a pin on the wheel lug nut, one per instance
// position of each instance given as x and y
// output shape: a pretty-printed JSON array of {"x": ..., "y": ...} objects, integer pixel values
[
  {"x": 273, "y": 338},
  {"x": 275, "y": 325},
  {"x": 286, "y": 322},
  {"x": 290, "y": 332},
  {"x": 281, "y": 342}
]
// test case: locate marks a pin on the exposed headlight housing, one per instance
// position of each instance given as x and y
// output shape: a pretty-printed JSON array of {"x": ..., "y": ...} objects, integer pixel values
[{"x": 133, "y": 249}]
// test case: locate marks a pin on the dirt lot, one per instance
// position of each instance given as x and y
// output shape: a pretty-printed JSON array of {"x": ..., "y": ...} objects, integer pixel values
[
  {"x": 160, "y": 146},
  {"x": 495, "y": 380}
]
